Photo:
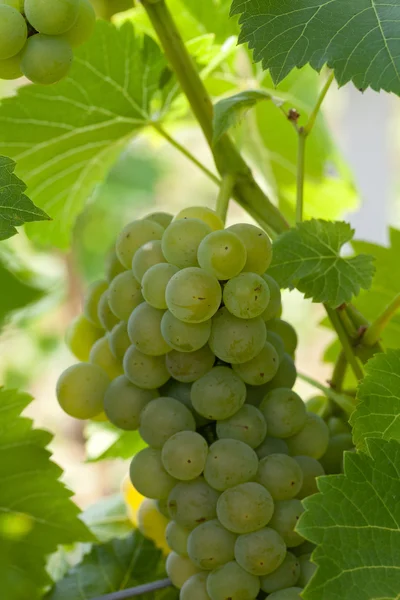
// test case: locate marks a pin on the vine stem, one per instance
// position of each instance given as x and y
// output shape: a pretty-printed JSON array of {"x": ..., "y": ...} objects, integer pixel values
[
  {"x": 136, "y": 591},
  {"x": 346, "y": 403},
  {"x": 344, "y": 340},
  {"x": 313, "y": 117},
  {"x": 225, "y": 194},
  {"x": 339, "y": 372},
  {"x": 374, "y": 331}
]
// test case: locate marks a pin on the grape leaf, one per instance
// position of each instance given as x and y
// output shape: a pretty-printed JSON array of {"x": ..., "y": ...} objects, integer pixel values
[
  {"x": 36, "y": 512},
  {"x": 308, "y": 257},
  {"x": 358, "y": 39},
  {"x": 20, "y": 292},
  {"x": 355, "y": 521},
  {"x": 108, "y": 518},
  {"x": 65, "y": 137},
  {"x": 105, "y": 441}
]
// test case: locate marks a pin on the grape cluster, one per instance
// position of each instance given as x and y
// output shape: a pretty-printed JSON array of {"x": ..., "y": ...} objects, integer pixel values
[
  {"x": 183, "y": 341},
  {"x": 37, "y": 37}
]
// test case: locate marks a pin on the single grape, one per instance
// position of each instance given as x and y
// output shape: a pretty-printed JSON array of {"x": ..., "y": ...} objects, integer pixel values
[
  {"x": 246, "y": 296},
  {"x": 229, "y": 462},
  {"x": 133, "y": 236},
  {"x": 284, "y": 411},
  {"x": 271, "y": 445},
  {"x": 195, "y": 588},
  {"x": 218, "y": 394},
  {"x": 162, "y": 506},
  {"x": 179, "y": 569},
  {"x": 281, "y": 475},
  {"x": 107, "y": 318},
  {"x": 231, "y": 582},
  {"x": 203, "y": 213},
  {"x": 338, "y": 425},
  {"x": 192, "y": 295},
  {"x": 13, "y": 31},
  {"x": 152, "y": 524},
  {"x": 184, "y": 337},
  {"x": 162, "y": 418},
  {"x": 148, "y": 372},
  {"x": 177, "y": 537},
  {"x": 84, "y": 25},
  {"x": 210, "y": 545},
  {"x": 277, "y": 343},
  {"x": 92, "y": 299},
  {"x": 184, "y": 455},
  {"x": 284, "y": 520},
  {"x": 246, "y": 425},
  {"x": 292, "y": 593},
  {"x": 80, "y": 337},
  {"x": 80, "y": 390},
  {"x": 181, "y": 240},
  {"x": 17, "y": 4},
  {"x": 191, "y": 503},
  {"x": 258, "y": 247},
  {"x": 124, "y": 295},
  {"x": 181, "y": 391},
  {"x": 255, "y": 394},
  {"x": 286, "y": 332},
  {"x": 285, "y": 576},
  {"x": 260, "y": 552},
  {"x": 102, "y": 356},
  {"x": 307, "y": 570},
  {"x": 245, "y": 507},
  {"x": 148, "y": 475},
  {"x": 189, "y": 366},
  {"x": 286, "y": 374},
  {"x": 260, "y": 369},
  {"x": 10, "y": 68},
  {"x": 236, "y": 340},
  {"x": 119, "y": 341},
  {"x": 147, "y": 256},
  {"x": 332, "y": 460},
  {"x": 113, "y": 267},
  {"x": 124, "y": 402},
  {"x": 162, "y": 218},
  {"x": 222, "y": 254},
  {"x": 312, "y": 440},
  {"x": 46, "y": 59},
  {"x": 154, "y": 284},
  {"x": 52, "y": 17},
  {"x": 275, "y": 300},
  {"x": 311, "y": 469},
  {"x": 144, "y": 330}
]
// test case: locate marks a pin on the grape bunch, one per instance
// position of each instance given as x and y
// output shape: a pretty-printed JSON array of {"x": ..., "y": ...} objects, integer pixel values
[
  {"x": 37, "y": 37},
  {"x": 183, "y": 341}
]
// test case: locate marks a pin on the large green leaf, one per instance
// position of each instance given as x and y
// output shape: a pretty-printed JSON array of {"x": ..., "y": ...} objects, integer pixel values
[
  {"x": 18, "y": 291},
  {"x": 66, "y": 137},
  {"x": 36, "y": 512},
  {"x": 358, "y": 39}
]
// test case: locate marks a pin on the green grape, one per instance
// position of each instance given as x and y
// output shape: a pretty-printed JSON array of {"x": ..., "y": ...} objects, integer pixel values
[
  {"x": 246, "y": 425},
  {"x": 184, "y": 455},
  {"x": 80, "y": 390},
  {"x": 45, "y": 59},
  {"x": 17, "y": 4},
  {"x": 271, "y": 445},
  {"x": 258, "y": 247},
  {"x": 338, "y": 425},
  {"x": 192, "y": 295},
  {"x": 124, "y": 295},
  {"x": 286, "y": 332},
  {"x": 311, "y": 469},
  {"x": 312, "y": 440},
  {"x": 84, "y": 25},
  {"x": 92, "y": 299},
  {"x": 277, "y": 343},
  {"x": 148, "y": 372},
  {"x": 162, "y": 507},
  {"x": 181, "y": 391},
  {"x": 112, "y": 266},
  {"x": 10, "y": 68},
  {"x": 147, "y": 256},
  {"x": 107, "y": 318},
  {"x": 245, "y": 507},
  {"x": 285, "y": 376},
  {"x": 162, "y": 218},
  {"x": 307, "y": 570},
  {"x": 292, "y": 593},
  {"x": 80, "y": 337},
  {"x": 285, "y": 576},
  {"x": 236, "y": 340},
  {"x": 195, "y": 588},
  {"x": 133, "y": 236},
  {"x": 124, "y": 402},
  {"x": 181, "y": 240},
  {"x": 231, "y": 582},
  {"x": 318, "y": 405},
  {"x": 189, "y": 366},
  {"x": 191, "y": 503},
  {"x": 284, "y": 520},
  {"x": 101, "y": 355},
  {"x": 260, "y": 369},
  {"x": 154, "y": 284},
  {"x": 222, "y": 254},
  {"x": 179, "y": 569},
  {"x": 148, "y": 475},
  {"x": 284, "y": 411},
  {"x": 184, "y": 337},
  {"x": 246, "y": 296},
  {"x": 52, "y": 17},
  {"x": 255, "y": 393},
  {"x": 218, "y": 394},
  {"x": 203, "y": 213},
  {"x": 210, "y": 545},
  {"x": 229, "y": 463},
  {"x": 275, "y": 301},
  {"x": 162, "y": 418},
  {"x": 177, "y": 537},
  {"x": 144, "y": 330},
  {"x": 332, "y": 460},
  {"x": 13, "y": 31},
  {"x": 260, "y": 552},
  {"x": 119, "y": 341},
  {"x": 281, "y": 475}
]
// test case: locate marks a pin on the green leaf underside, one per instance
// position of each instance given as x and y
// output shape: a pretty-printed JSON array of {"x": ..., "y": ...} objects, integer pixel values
[
  {"x": 378, "y": 412},
  {"x": 19, "y": 293},
  {"x": 308, "y": 257},
  {"x": 65, "y": 137},
  {"x": 108, "y": 518},
  {"x": 358, "y": 39},
  {"x": 36, "y": 512},
  {"x": 355, "y": 521}
]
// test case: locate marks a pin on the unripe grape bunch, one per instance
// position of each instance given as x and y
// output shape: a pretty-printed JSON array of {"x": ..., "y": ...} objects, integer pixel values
[
  {"x": 183, "y": 341},
  {"x": 37, "y": 37}
]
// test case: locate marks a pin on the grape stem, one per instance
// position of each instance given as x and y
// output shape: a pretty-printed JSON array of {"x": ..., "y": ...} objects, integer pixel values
[
  {"x": 339, "y": 372},
  {"x": 346, "y": 403},
  {"x": 374, "y": 331},
  {"x": 225, "y": 194},
  {"x": 136, "y": 591}
]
